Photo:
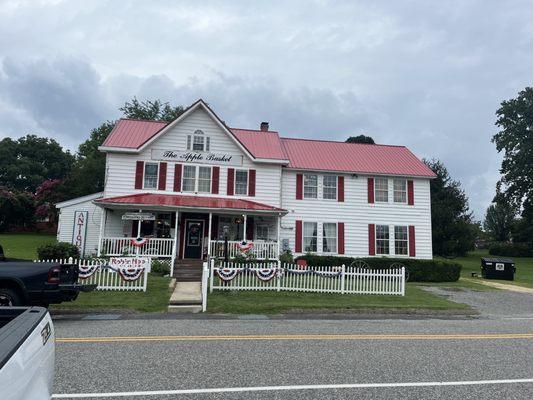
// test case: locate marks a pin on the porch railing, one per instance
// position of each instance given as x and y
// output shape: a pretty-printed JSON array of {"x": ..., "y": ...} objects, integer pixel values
[
  {"x": 154, "y": 247},
  {"x": 260, "y": 250}
]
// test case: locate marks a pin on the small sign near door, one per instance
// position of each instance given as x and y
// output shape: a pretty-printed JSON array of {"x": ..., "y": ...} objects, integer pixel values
[
  {"x": 138, "y": 216},
  {"x": 129, "y": 262}
]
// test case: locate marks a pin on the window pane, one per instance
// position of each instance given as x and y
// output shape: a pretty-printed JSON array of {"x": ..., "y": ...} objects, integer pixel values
[
  {"x": 204, "y": 179},
  {"x": 329, "y": 237},
  {"x": 381, "y": 188},
  {"x": 198, "y": 143},
  {"x": 310, "y": 186},
  {"x": 150, "y": 176},
  {"x": 400, "y": 191},
  {"x": 189, "y": 178},
  {"x": 310, "y": 236},
  {"x": 400, "y": 240},
  {"x": 330, "y": 187},
  {"x": 241, "y": 182},
  {"x": 382, "y": 239}
]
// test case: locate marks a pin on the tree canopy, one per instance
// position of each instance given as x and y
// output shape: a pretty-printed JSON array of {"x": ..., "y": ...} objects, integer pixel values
[
  {"x": 360, "y": 139},
  {"x": 151, "y": 109},
  {"x": 452, "y": 224},
  {"x": 499, "y": 221}
]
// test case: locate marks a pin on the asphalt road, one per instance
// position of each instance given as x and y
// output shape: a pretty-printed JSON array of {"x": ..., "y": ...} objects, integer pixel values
[{"x": 183, "y": 354}]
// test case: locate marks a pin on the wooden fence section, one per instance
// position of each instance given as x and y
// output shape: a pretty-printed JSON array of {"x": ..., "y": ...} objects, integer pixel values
[
  {"x": 289, "y": 277},
  {"x": 99, "y": 272}
]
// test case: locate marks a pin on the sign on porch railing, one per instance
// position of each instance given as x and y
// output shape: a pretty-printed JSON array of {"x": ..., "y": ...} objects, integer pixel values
[
  {"x": 289, "y": 277},
  {"x": 108, "y": 277}
]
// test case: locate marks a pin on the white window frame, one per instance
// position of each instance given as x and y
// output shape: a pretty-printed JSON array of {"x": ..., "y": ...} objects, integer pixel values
[
  {"x": 304, "y": 185},
  {"x": 157, "y": 175},
  {"x": 247, "y": 182},
  {"x": 394, "y": 191},
  {"x": 406, "y": 240},
  {"x": 330, "y": 187},
  {"x": 376, "y": 190},
  {"x": 206, "y": 141},
  {"x": 387, "y": 240},
  {"x": 196, "y": 178},
  {"x": 328, "y": 237},
  {"x": 315, "y": 237}
]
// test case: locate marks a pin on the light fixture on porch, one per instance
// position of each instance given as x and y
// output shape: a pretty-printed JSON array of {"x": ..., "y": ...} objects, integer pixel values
[{"x": 238, "y": 220}]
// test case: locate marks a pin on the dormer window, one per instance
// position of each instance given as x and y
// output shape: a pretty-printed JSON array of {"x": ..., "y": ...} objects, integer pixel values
[{"x": 198, "y": 141}]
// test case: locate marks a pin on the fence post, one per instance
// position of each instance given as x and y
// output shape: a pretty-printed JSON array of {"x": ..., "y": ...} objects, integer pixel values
[
  {"x": 211, "y": 275},
  {"x": 343, "y": 278},
  {"x": 205, "y": 278},
  {"x": 145, "y": 273},
  {"x": 403, "y": 281},
  {"x": 279, "y": 276}
]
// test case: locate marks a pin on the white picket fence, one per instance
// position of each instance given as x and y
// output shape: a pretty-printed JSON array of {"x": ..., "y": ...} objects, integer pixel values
[
  {"x": 291, "y": 277},
  {"x": 105, "y": 278}
]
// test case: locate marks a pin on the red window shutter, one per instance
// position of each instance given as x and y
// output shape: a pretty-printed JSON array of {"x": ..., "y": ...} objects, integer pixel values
[
  {"x": 410, "y": 193},
  {"x": 298, "y": 238},
  {"x": 299, "y": 186},
  {"x": 370, "y": 190},
  {"x": 340, "y": 188},
  {"x": 371, "y": 239},
  {"x": 162, "y": 176},
  {"x": 231, "y": 181},
  {"x": 215, "y": 179},
  {"x": 412, "y": 241},
  {"x": 251, "y": 182},
  {"x": 177, "y": 177},
  {"x": 139, "y": 172},
  {"x": 340, "y": 234}
]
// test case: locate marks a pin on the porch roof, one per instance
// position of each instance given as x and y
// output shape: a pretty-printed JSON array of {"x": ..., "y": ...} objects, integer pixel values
[{"x": 189, "y": 202}]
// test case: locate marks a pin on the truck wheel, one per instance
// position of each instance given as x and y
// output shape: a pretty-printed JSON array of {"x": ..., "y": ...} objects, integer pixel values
[{"x": 9, "y": 298}]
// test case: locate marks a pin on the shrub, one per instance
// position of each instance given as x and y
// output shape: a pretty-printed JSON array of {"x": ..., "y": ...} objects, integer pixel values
[
  {"x": 511, "y": 249},
  {"x": 286, "y": 257},
  {"x": 57, "y": 251},
  {"x": 419, "y": 270},
  {"x": 160, "y": 267}
]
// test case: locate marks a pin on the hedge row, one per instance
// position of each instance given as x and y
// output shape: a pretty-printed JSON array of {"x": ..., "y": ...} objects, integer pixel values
[
  {"x": 511, "y": 249},
  {"x": 419, "y": 270}
]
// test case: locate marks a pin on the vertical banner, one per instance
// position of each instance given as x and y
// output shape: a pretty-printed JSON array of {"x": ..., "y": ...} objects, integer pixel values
[{"x": 79, "y": 231}]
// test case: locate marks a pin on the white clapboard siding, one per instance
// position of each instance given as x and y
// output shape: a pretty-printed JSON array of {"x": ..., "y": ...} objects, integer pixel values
[
  {"x": 289, "y": 277},
  {"x": 357, "y": 213},
  {"x": 121, "y": 167}
]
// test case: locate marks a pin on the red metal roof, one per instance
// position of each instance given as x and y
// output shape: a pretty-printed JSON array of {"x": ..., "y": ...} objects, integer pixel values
[
  {"x": 353, "y": 157},
  {"x": 261, "y": 144},
  {"x": 132, "y": 133},
  {"x": 168, "y": 200}
]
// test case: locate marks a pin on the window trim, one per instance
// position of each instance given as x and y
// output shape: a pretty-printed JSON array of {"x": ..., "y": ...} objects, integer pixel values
[
  {"x": 394, "y": 191},
  {"x": 303, "y": 237},
  {"x": 376, "y": 178},
  {"x": 336, "y": 238},
  {"x": 157, "y": 175},
  {"x": 324, "y": 187},
  {"x": 376, "y": 240},
  {"x": 406, "y": 240},
  {"x": 247, "y": 182},
  {"x": 206, "y": 141},
  {"x": 303, "y": 186},
  {"x": 196, "y": 178}
]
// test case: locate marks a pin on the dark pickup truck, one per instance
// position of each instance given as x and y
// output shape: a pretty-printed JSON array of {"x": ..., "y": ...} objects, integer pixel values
[{"x": 25, "y": 283}]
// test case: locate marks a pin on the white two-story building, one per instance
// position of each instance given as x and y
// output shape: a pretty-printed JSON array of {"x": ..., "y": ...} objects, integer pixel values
[{"x": 175, "y": 190}]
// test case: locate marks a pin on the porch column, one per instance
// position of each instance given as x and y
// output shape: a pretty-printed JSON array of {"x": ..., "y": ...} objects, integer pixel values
[
  {"x": 244, "y": 227},
  {"x": 175, "y": 247},
  {"x": 279, "y": 240},
  {"x": 209, "y": 237},
  {"x": 102, "y": 230},
  {"x": 139, "y": 226}
]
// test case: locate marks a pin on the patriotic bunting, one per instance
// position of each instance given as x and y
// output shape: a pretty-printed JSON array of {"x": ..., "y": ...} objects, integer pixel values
[
  {"x": 227, "y": 274},
  {"x": 266, "y": 274},
  {"x": 86, "y": 271}
]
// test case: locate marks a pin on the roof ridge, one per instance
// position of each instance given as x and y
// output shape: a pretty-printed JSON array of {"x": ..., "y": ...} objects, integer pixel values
[
  {"x": 145, "y": 120},
  {"x": 337, "y": 141},
  {"x": 254, "y": 130}
]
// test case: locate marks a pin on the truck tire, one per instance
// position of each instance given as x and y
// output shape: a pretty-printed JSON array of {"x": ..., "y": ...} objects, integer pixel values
[{"x": 10, "y": 298}]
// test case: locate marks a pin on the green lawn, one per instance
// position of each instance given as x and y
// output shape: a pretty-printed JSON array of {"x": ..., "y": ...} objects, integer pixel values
[
  {"x": 155, "y": 299},
  {"x": 524, "y": 267},
  {"x": 272, "y": 302},
  {"x": 24, "y": 245}
]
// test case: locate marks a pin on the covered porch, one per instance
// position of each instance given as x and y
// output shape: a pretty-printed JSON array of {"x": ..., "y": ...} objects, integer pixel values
[{"x": 180, "y": 227}]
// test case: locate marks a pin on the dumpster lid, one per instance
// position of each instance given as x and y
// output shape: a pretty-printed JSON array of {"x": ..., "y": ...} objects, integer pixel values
[{"x": 497, "y": 260}]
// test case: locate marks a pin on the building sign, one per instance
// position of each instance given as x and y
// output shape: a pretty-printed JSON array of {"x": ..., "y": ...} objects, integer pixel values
[
  {"x": 131, "y": 262},
  {"x": 79, "y": 231},
  {"x": 138, "y": 216},
  {"x": 197, "y": 157}
]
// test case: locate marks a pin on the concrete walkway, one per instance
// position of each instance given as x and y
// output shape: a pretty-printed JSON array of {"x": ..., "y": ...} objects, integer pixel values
[
  {"x": 187, "y": 298},
  {"x": 502, "y": 286}
]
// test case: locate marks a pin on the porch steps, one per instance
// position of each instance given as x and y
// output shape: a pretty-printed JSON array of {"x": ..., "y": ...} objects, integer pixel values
[{"x": 188, "y": 270}]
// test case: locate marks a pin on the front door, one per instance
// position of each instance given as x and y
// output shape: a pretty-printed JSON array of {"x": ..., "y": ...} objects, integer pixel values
[{"x": 194, "y": 233}]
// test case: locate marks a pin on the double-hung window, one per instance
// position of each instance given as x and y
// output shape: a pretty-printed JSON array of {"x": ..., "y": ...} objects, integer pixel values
[
  {"x": 400, "y": 240},
  {"x": 310, "y": 236},
  {"x": 241, "y": 182},
  {"x": 310, "y": 186},
  {"x": 150, "y": 175},
  {"x": 200, "y": 142},
  {"x": 382, "y": 239},
  {"x": 400, "y": 191},
  {"x": 190, "y": 181},
  {"x": 381, "y": 186},
  {"x": 329, "y": 237},
  {"x": 330, "y": 187}
]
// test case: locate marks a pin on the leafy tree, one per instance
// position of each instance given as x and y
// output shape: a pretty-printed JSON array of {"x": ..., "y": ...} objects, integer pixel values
[
  {"x": 25, "y": 163},
  {"x": 522, "y": 230},
  {"x": 17, "y": 209},
  {"x": 360, "y": 139},
  {"x": 452, "y": 225},
  {"x": 47, "y": 195},
  {"x": 499, "y": 220},
  {"x": 152, "y": 110}
]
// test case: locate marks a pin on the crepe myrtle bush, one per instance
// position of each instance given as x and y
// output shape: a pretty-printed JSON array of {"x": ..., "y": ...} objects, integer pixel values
[{"x": 418, "y": 270}]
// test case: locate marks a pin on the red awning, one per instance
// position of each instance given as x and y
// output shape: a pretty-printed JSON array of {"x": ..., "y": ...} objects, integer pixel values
[{"x": 192, "y": 202}]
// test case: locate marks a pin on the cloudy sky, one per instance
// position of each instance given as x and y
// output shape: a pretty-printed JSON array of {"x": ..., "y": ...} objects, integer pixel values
[{"x": 426, "y": 74}]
